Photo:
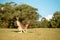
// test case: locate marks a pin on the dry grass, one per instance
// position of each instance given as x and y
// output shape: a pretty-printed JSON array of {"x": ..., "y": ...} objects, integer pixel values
[{"x": 32, "y": 34}]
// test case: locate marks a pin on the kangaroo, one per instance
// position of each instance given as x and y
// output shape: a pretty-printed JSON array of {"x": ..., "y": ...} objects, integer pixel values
[{"x": 21, "y": 27}]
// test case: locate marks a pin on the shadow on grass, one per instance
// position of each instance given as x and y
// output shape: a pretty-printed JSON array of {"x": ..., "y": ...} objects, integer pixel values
[{"x": 16, "y": 31}]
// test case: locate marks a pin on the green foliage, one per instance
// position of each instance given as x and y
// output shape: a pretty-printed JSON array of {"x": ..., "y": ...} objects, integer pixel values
[
  {"x": 44, "y": 23},
  {"x": 55, "y": 21},
  {"x": 34, "y": 24},
  {"x": 26, "y": 10},
  {"x": 9, "y": 12}
]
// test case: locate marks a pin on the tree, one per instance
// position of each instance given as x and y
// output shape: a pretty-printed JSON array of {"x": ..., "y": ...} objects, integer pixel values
[
  {"x": 55, "y": 21},
  {"x": 11, "y": 10},
  {"x": 6, "y": 11},
  {"x": 34, "y": 24},
  {"x": 26, "y": 10},
  {"x": 44, "y": 23},
  {"x": 26, "y": 13}
]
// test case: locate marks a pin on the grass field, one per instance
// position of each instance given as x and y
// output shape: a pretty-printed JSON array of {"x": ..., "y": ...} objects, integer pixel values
[{"x": 32, "y": 34}]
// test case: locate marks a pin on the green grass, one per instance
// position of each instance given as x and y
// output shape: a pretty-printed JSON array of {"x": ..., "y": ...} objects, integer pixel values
[{"x": 32, "y": 34}]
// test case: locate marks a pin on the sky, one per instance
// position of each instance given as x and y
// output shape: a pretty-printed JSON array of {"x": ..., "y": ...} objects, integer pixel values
[{"x": 46, "y": 8}]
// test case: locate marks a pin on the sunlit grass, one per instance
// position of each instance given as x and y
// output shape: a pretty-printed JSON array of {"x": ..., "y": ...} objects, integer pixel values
[{"x": 32, "y": 34}]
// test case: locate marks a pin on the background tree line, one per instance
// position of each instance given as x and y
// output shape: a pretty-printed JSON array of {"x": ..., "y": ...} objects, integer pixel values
[{"x": 9, "y": 12}]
